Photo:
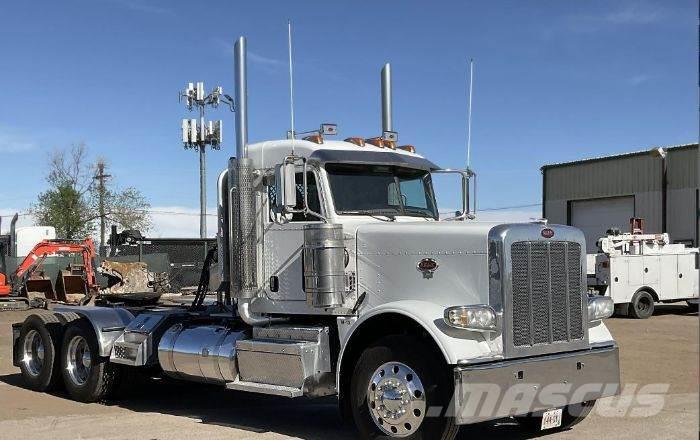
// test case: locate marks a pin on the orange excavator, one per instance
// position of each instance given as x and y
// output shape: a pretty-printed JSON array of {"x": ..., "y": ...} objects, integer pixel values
[{"x": 17, "y": 285}]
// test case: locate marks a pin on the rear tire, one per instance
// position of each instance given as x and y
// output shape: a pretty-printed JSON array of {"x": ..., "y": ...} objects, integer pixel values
[
  {"x": 693, "y": 306},
  {"x": 399, "y": 375},
  {"x": 572, "y": 415},
  {"x": 38, "y": 346},
  {"x": 642, "y": 305},
  {"x": 86, "y": 376}
]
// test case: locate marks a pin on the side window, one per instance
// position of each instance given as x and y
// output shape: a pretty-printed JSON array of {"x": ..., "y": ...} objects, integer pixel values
[
  {"x": 313, "y": 198},
  {"x": 413, "y": 193}
]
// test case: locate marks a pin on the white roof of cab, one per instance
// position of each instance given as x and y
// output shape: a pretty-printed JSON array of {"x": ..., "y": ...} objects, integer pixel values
[{"x": 269, "y": 153}]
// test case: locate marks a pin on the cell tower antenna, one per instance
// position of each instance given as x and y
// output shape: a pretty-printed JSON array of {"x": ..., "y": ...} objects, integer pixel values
[
  {"x": 198, "y": 135},
  {"x": 469, "y": 115},
  {"x": 291, "y": 82}
]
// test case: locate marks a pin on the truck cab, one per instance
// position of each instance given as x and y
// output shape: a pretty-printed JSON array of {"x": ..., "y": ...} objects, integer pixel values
[{"x": 338, "y": 276}]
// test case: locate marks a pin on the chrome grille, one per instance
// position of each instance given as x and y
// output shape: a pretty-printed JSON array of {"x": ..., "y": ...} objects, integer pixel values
[{"x": 547, "y": 294}]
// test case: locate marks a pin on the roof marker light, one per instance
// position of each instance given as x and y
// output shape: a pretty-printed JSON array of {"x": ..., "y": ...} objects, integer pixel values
[
  {"x": 356, "y": 140},
  {"x": 376, "y": 141},
  {"x": 315, "y": 138},
  {"x": 409, "y": 148}
]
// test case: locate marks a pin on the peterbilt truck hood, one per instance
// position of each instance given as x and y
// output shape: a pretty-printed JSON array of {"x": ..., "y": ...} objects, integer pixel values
[{"x": 389, "y": 255}]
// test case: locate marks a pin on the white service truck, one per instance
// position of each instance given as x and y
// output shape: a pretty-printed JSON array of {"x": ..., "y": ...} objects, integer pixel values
[
  {"x": 637, "y": 270},
  {"x": 339, "y": 278}
]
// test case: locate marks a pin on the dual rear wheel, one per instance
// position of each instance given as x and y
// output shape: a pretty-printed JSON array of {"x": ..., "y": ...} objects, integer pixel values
[
  {"x": 38, "y": 350},
  {"x": 53, "y": 352}
]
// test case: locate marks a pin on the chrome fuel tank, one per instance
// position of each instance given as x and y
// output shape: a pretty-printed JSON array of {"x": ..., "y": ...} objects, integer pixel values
[{"x": 205, "y": 353}]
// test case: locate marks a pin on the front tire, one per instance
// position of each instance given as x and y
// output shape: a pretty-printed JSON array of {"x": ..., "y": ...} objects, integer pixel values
[
  {"x": 395, "y": 383},
  {"x": 38, "y": 345},
  {"x": 572, "y": 415},
  {"x": 642, "y": 305},
  {"x": 86, "y": 376}
]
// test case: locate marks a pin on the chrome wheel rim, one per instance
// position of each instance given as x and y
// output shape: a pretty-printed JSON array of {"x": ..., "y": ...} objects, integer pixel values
[
  {"x": 79, "y": 360},
  {"x": 33, "y": 353},
  {"x": 396, "y": 399}
]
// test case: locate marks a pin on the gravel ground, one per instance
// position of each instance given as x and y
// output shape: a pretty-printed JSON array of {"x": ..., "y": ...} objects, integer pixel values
[{"x": 661, "y": 350}]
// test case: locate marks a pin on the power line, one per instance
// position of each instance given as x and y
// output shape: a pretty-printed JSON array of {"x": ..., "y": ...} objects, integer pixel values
[
  {"x": 146, "y": 211},
  {"x": 502, "y": 208}
]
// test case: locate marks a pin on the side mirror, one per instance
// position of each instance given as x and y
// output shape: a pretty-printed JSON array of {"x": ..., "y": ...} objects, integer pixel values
[
  {"x": 285, "y": 187},
  {"x": 466, "y": 175}
]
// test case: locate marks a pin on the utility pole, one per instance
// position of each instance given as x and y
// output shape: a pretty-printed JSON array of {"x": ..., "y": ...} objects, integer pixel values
[
  {"x": 198, "y": 135},
  {"x": 101, "y": 191}
]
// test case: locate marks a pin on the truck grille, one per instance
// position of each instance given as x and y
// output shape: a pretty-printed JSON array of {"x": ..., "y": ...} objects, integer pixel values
[{"x": 547, "y": 294}]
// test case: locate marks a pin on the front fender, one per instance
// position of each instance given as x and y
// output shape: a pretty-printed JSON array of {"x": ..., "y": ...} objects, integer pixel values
[
  {"x": 108, "y": 323},
  {"x": 456, "y": 346}
]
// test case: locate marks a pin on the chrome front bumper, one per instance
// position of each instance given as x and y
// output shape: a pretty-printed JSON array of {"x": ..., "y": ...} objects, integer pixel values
[{"x": 520, "y": 386}]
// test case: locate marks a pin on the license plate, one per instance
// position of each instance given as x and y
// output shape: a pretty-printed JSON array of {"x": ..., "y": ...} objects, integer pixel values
[{"x": 551, "y": 419}]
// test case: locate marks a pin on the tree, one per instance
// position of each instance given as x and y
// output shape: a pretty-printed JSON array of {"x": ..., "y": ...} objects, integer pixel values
[
  {"x": 79, "y": 198},
  {"x": 64, "y": 208}
]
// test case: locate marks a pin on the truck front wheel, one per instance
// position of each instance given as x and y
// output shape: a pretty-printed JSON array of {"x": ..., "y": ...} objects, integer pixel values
[
  {"x": 398, "y": 390},
  {"x": 87, "y": 376}
]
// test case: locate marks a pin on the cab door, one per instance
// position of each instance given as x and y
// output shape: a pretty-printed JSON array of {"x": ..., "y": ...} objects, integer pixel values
[{"x": 284, "y": 240}]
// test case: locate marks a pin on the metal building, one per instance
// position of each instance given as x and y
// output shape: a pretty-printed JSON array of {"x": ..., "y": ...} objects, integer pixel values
[{"x": 659, "y": 185}]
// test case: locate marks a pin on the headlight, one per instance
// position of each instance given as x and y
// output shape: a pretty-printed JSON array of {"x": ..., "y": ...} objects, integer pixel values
[
  {"x": 600, "y": 307},
  {"x": 480, "y": 318}
]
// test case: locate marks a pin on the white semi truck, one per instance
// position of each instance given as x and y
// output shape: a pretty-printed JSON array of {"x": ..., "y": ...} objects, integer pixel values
[
  {"x": 339, "y": 278},
  {"x": 637, "y": 270}
]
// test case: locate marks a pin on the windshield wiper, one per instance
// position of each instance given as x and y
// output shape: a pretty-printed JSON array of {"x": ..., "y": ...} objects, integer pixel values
[
  {"x": 418, "y": 211},
  {"x": 389, "y": 213}
]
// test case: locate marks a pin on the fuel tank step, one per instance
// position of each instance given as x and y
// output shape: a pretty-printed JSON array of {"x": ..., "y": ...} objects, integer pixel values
[
  {"x": 275, "y": 390},
  {"x": 289, "y": 357}
]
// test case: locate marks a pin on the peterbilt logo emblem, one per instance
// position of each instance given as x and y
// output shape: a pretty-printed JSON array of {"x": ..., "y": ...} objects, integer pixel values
[
  {"x": 547, "y": 233},
  {"x": 428, "y": 266}
]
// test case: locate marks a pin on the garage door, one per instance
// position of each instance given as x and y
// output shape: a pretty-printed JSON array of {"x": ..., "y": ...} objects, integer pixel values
[{"x": 594, "y": 217}]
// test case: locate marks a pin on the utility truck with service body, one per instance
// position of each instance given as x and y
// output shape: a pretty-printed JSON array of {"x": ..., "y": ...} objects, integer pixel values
[
  {"x": 637, "y": 270},
  {"x": 339, "y": 278}
]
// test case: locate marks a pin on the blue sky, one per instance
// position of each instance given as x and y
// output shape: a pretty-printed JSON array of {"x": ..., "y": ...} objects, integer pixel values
[{"x": 555, "y": 81}]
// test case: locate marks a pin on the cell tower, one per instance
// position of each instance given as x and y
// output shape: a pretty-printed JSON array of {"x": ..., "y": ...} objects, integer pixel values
[{"x": 197, "y": 135}]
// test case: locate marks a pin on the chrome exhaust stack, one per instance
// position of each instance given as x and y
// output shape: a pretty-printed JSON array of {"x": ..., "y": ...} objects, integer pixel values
[
  {"x": 386, "y": 99},
  {"x": 242, "y": 209},
  {"x": 245, "y": 232},
  {"x": 241, "y": 91}
]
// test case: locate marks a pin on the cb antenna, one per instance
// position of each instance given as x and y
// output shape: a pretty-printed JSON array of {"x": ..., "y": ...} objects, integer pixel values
[
  {"x": 291, "y": 82},
  {"x": 469, "y": 115}
]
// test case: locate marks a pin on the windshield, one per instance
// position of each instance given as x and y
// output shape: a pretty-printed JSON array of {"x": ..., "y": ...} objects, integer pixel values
[{"x": 381, "y": 190}]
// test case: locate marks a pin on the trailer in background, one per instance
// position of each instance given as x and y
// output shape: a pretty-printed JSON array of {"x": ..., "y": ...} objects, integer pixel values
[{"x": 637, "y": 270}]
